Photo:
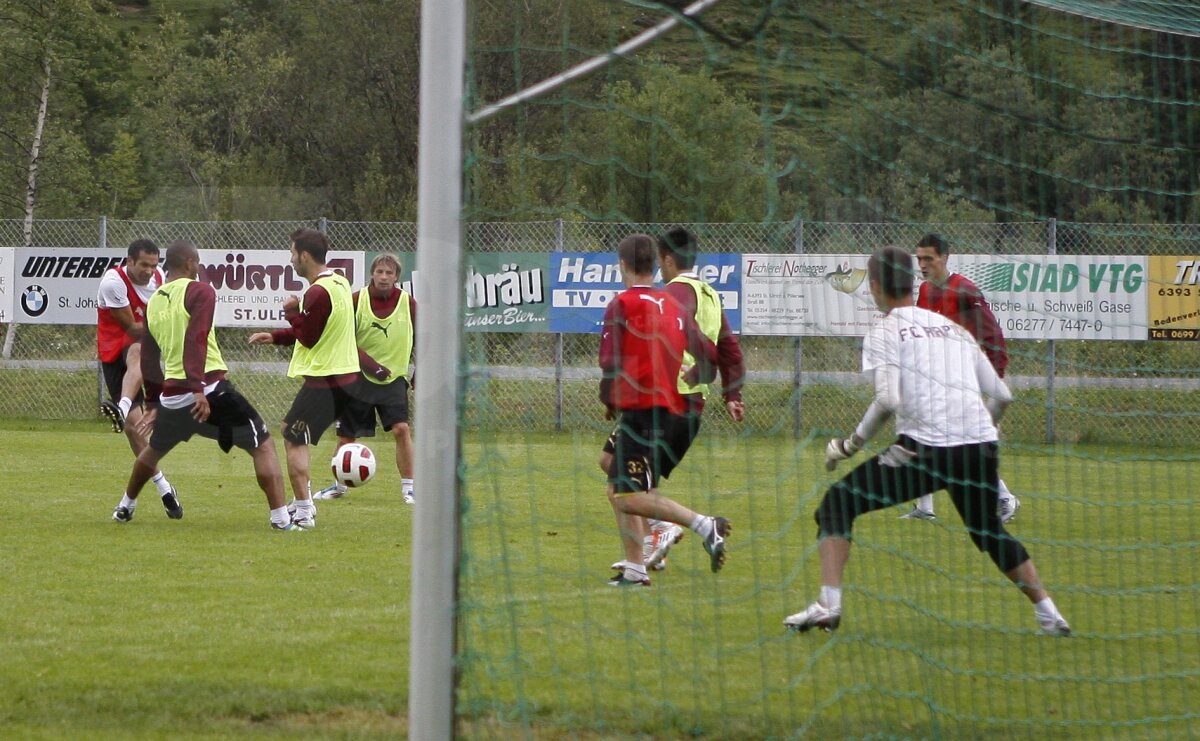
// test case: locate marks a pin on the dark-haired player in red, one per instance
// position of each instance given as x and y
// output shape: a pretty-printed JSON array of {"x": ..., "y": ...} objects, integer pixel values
[
  {"x": 642, "y": 348},
  {"x": 120, "y": 326},
  {"x": 955, "y": 297}
]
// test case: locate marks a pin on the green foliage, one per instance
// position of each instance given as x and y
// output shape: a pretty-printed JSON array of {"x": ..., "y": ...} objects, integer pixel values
[
  {"x": 85, "y": 89},
  {"x": 121, "y": 176},
  {"x": 867, "y": 110}
]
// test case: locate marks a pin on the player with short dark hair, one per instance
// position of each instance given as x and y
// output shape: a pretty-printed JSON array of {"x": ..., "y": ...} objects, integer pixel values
[
  {"x": 916, "y": 356},
  {"x": 120, "y": 325},
  {"x": 954, "y": 296},
  {"x": 385, "y": 330},
  {"x": 189, "y": 394},
  {"x": 677, "y": 252},
  {"x": 321, "y": 329},
  {"x": 642, "y": 347}
]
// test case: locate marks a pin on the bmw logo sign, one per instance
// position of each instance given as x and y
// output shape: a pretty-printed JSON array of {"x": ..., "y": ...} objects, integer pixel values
[{"x": 34, "y": 301}]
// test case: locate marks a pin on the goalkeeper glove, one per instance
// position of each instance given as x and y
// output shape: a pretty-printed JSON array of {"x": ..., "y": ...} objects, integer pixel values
[{"x": 839, "y": 449}]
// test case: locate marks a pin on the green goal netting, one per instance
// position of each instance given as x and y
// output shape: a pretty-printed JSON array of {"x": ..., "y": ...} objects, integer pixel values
[{"x": 1056, "y": 148}]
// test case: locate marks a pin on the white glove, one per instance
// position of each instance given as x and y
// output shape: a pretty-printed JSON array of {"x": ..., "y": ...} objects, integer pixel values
[{"x": 839, "y": 449}]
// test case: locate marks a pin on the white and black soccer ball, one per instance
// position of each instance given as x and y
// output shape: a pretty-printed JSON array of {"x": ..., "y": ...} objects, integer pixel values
[{"x": 353, "y": 464}]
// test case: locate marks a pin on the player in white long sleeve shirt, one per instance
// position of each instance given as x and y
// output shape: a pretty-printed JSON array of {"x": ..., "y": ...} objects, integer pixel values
[{"x": 931, "y": 375}]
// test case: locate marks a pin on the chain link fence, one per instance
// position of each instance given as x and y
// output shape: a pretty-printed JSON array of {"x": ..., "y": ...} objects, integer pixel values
[{"x": 1067, "y": 391}]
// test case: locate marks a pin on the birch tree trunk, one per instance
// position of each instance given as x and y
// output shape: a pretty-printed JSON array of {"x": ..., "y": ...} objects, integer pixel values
[{"x": 35, "y": 149}]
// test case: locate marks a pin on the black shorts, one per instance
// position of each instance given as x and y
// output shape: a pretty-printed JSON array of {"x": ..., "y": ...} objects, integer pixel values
[
  {"x": 114, "y": 376},
  {"x": 313, "y": 411},
  {"x": 907, "y": 470},
  {"x": 389, "y": 400},
  {"x": 647, "y": 445},
  {"x": 232, "y": 422}
]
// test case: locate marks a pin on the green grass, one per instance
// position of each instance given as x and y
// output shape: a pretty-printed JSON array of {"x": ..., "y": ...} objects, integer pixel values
[{"x": 215, "y": 626}]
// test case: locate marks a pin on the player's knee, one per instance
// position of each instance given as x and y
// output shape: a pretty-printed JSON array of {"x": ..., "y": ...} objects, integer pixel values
[
  {"x": 1005, "y": 551},
  {"x": 401, "y": 430},
  {"x": 834, "y": 516}
]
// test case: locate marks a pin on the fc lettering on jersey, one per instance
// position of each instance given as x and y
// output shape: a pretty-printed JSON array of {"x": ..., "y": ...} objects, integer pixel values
[{"x": 915, "y": 332}]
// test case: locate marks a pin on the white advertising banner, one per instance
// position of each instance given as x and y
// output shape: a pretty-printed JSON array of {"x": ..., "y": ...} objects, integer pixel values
[
  {"x": 806, "y": 295},
  {"x": 1043, "y": 297},
  {"x": 252, "y": 285},
  {"x": 59, "y": 285},
  {"x": 7, "y": 256},
  {"x": 1060, "y": 297}
]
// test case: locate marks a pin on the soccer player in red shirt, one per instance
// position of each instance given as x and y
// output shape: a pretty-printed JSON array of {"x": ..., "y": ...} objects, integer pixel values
[
  {"x": 955, "y": 297},
  {"x": 642, "y": 346},
  {"x": 677, "y": 257}
]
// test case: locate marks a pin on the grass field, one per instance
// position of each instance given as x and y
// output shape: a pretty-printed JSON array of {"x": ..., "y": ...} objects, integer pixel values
[{"x": 215, "y": 626}]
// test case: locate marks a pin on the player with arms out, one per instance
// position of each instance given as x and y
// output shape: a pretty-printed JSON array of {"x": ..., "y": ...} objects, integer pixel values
[
  {"x": 677, "y": 257},
  {"x": 642, "y": 346},
  {"x": 120, "y": 325},
  {"x": 917, "y": 357},
  {"x": 321, "y": 327},
  {"x": 385, "y": 328},
  {"x": 188, "y": 393},
  {"x": 954, "y": 296}
]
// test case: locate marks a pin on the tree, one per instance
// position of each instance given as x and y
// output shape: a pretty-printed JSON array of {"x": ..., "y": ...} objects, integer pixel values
[{"x": 57, "y": 62}]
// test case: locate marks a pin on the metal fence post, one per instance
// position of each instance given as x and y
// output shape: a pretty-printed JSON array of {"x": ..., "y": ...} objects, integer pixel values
[
  {"x": 559, "y": 241},
  {"x": 1052, "y": 360},
  {"x": 323, "y": 225},
  {"x": 798, "y": 360},
  {"x": 102, "y": 242}
]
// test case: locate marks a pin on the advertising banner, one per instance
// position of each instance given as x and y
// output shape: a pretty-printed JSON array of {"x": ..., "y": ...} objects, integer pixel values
[
  {"x": 252, "y": 285},
  {"x": 503, "y": 291},
  {"x": 7, "y": 257},
  {"x": 1174, "y": 297},
  {"x": 59, "y": 285},
  {"x": 582, "y": 284},
  {"x": 806, "y": 295},
  {"x": 1058, "y": 297},
  {"x": 1044, "y": 297}
]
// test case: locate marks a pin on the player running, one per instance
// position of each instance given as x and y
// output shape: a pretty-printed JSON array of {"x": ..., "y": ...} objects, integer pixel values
[
  {"x": 677, "y": 253},
  {"x": 954, "y": 296},
  {"x": 642, "y": 349}
]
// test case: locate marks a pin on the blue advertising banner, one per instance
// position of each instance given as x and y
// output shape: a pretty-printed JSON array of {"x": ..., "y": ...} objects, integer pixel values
[{"x": 582, "y": 284}]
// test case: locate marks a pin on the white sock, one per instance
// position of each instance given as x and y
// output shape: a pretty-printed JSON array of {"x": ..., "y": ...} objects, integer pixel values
[
  {"x": 831, "y": 597},
  {"x": 1045, "y": 610},
  {"x": 1004, "y": 492},
  {"x": 305, "y": 507},
  {"x": 925, "y": 503},
  {"x": 280, "y": 516},
  {"x": 406, "y": 486},
  {"x": 160, "y": 481},
  {"x": 702, "y": 526},
  {"x": 125, "y": 404},
  {"x": 634, "y": 571},
  {"x": 128, "y": 503}
]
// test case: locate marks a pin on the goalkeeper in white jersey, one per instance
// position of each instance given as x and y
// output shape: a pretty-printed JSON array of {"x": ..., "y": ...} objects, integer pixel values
[{"x": 931, "y": 375}]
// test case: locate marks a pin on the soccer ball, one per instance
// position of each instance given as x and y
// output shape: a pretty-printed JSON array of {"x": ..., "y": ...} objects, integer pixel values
[{"x": 353, "y": 465}]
